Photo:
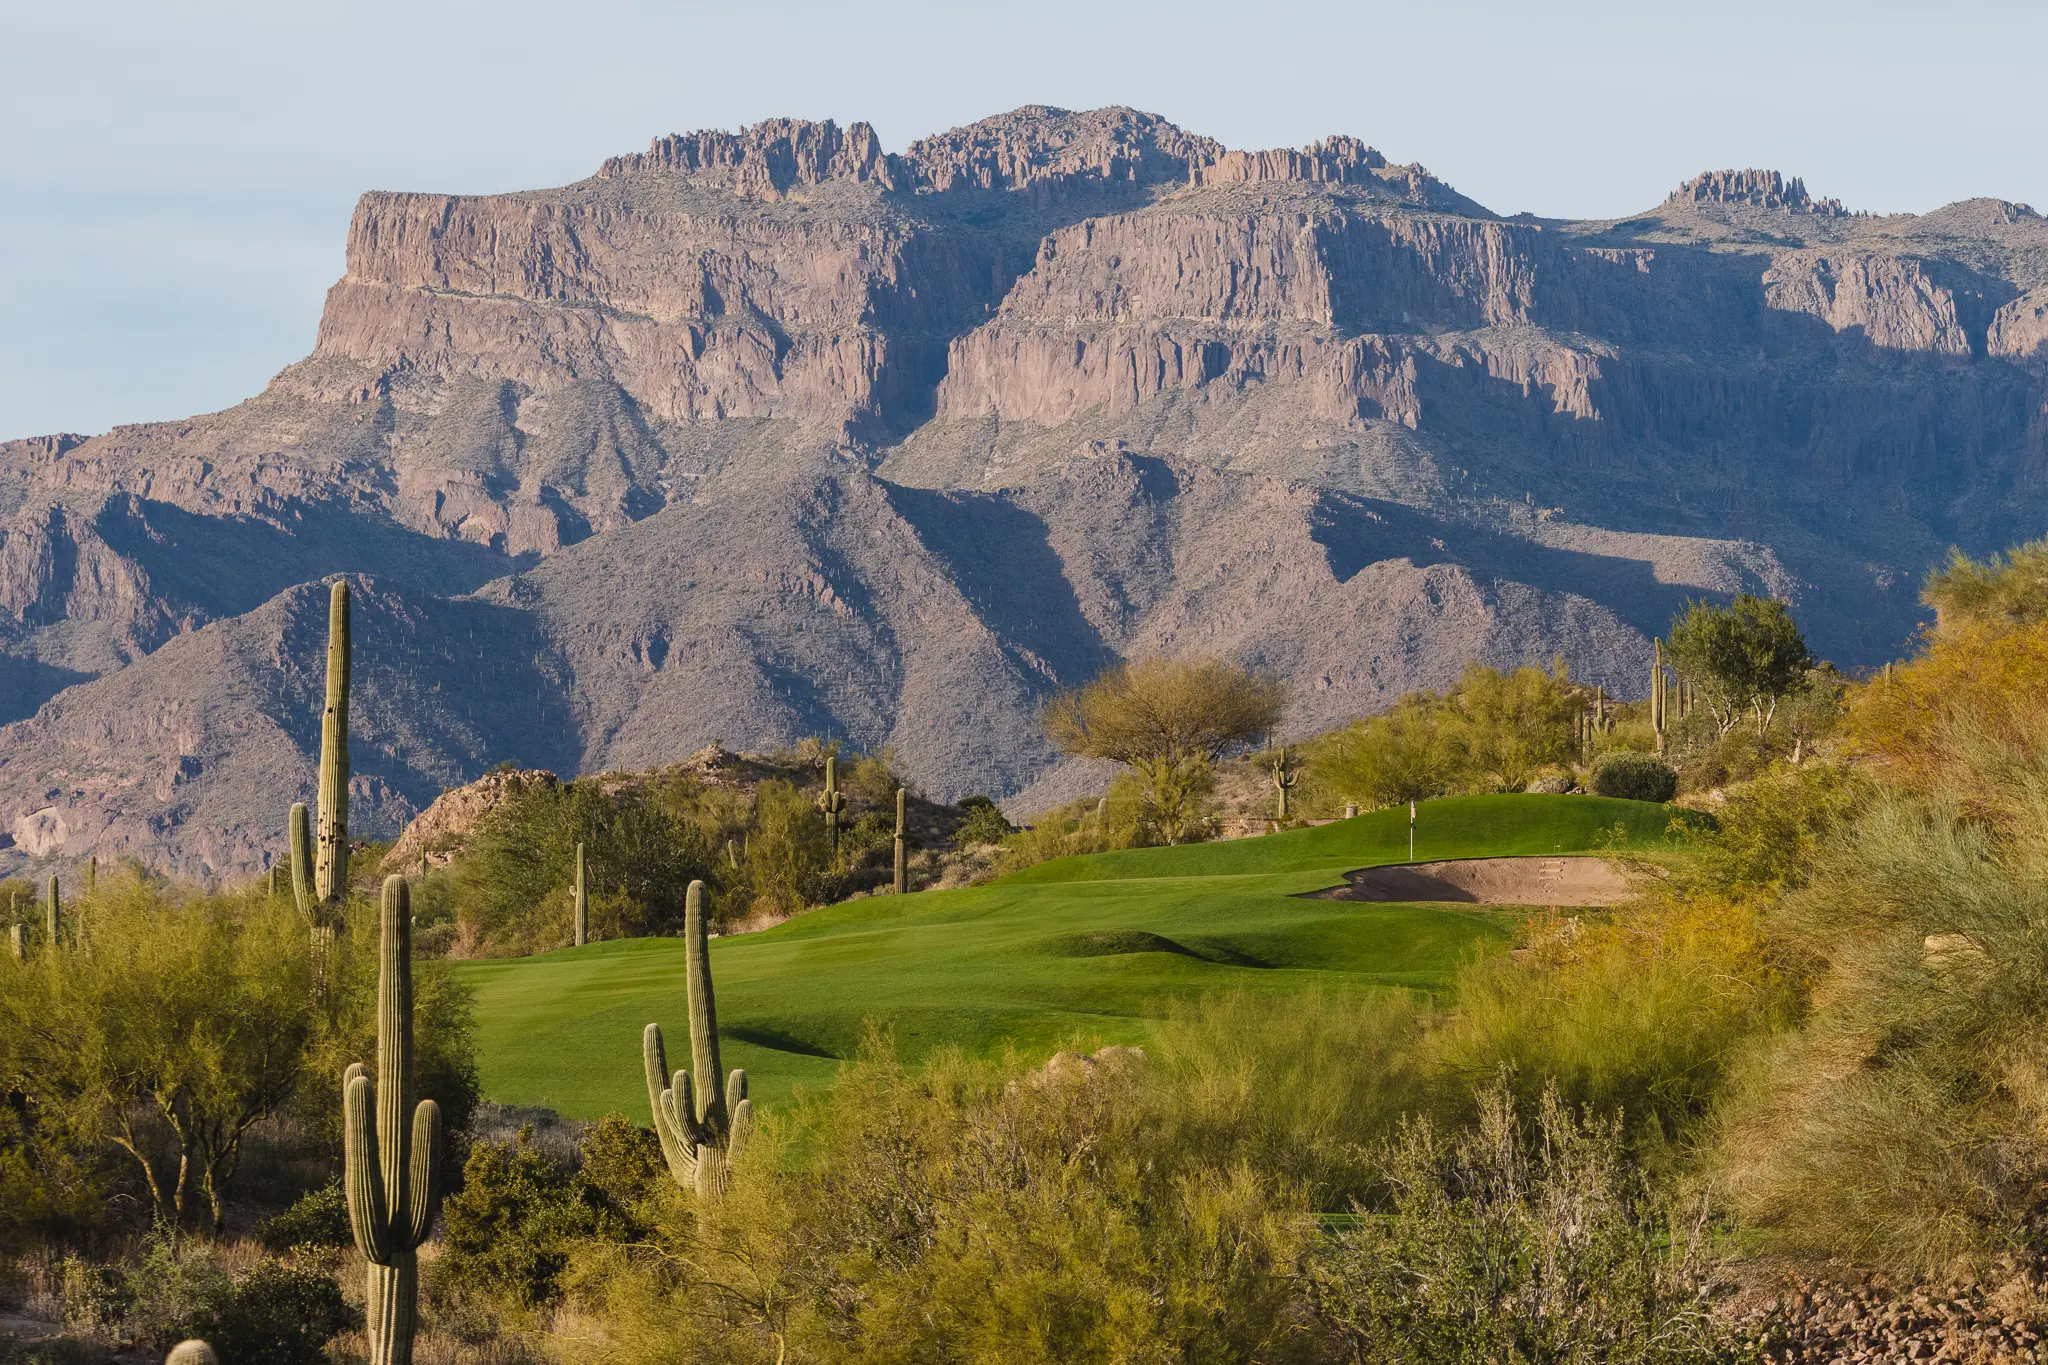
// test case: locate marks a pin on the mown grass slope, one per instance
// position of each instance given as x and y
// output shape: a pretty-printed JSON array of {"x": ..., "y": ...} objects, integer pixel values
[{"x": 1086, "y": 950}]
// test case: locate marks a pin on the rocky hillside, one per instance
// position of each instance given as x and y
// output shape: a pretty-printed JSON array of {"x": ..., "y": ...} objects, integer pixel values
[{"x": 765, "y": 434}]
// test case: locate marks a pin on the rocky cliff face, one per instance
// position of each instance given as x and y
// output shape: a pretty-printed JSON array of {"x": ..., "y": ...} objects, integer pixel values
[{"x": 765, "y": 434}]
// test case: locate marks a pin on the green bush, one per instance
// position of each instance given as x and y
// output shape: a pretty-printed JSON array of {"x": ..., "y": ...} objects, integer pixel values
[
  {"x": 984, "y": 823},
  {"x": 508, "y": 1235},
  {"x": 318, "y": 1219},
  {"x": 277, "y": 1313},
  {"x": 1634, "y": 777},
  {"x": 1514, "y": 1242}
]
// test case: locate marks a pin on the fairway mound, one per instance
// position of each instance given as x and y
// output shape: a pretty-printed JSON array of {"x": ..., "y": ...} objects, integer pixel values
[
  {"x": 1490, "y": 881},
  {"x": 1114, "y": 943}
]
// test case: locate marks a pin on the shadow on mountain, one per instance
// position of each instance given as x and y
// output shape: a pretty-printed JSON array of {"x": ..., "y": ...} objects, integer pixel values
[
  {"x": 226, "y": 565},
  {"x": 1002, "y": 561},
  {"x": 25, "y": 684}
]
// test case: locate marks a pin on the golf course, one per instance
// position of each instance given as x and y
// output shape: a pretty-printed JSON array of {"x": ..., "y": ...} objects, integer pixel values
[{"x": 1080, "y": 951}]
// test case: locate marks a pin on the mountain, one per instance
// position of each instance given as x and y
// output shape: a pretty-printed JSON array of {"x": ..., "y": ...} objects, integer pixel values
[{"x": 772, "y": 433}]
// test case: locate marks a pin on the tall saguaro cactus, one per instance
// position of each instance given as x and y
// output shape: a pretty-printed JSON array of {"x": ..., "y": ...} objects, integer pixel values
[
  {"x": 702, "y": 1127},
  {"x": 391, "y": 1147},
  {"x": 902, "y": 845},
  {"x": 1283, "y": 782},
  {"x": 53, "y": 915},
  {"x": 833, "y": 802},
  {"x": 582, "y": 902},
  {"x": 331, "y": 875}
]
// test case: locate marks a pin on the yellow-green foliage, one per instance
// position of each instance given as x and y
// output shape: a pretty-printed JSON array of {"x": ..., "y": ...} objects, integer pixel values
[
  {"x": 2003, "y": 591},
  {"x": 1639, "y": 1013},
  {"x": 1904, "y": 1123},
  {"x": 1491, "y": 731},
  {"x": 968, "y": 1213},
  {"x": 168, "y": 1027}
]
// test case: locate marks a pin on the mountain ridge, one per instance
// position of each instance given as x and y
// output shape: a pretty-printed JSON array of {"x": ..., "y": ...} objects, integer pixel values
[{"x": 768, "y": 433}]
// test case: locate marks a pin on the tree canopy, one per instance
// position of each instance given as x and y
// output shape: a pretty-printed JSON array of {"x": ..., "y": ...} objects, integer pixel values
[
  {"x": 1167, "y": 720},
  {"x": 1746, "y": 656}
]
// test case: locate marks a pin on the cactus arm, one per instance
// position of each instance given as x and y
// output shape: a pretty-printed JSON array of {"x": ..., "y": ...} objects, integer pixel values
[
  {"x": 300, "y": 832},
  {"x": 426, "y": 1161},
  {"x": 676, "y": 1149},
  {"x": 742, "y": 1128},
  {"x": 363, "y": 1179}
]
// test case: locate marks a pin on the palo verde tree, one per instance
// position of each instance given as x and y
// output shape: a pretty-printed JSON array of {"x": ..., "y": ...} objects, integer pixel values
[
  {"x": 1744, "y": 657},
  {"x": 1167, "y": 720}
]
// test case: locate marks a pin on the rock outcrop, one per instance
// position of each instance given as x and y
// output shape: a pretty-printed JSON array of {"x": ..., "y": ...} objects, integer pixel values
[{"x": 773, "y": 433}]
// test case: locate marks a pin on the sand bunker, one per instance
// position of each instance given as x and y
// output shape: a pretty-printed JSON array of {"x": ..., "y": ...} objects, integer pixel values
[{"x": 1490, "y": 881}]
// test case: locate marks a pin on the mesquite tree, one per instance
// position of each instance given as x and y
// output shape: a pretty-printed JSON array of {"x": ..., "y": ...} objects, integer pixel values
[{"x": 1745, "y": 657}]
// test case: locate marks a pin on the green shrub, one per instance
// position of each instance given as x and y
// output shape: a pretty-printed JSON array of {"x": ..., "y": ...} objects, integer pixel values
[
  {"x": 1634, "y": 777},
  {"x": 984, "y": 823},
  {"x": 508, "y": 1235},
  {"x": 1516, "y": 1242},
  {"x": 276, "y": 1313},
  {"x": 319, "y": 1218},
  {"x": 279, "y": 1314}
]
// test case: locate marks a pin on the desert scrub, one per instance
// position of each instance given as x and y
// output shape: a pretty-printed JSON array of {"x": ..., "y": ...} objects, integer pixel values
[
  {"x": 1634, "y": 777},
  {"x": 1517, "y": 1241},
  {"x": 1640, "y": 1013}
]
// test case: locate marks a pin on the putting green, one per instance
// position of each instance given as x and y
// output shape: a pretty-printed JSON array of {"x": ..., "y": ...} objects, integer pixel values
[{"x": 1087, "y": 949}]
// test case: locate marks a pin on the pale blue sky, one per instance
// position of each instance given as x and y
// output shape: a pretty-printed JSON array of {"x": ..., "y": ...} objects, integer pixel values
[{"x": 176, "y": 175}]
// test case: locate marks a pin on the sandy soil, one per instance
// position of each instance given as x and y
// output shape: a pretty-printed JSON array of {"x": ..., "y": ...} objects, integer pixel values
[{"x": 1491, "y": 881}]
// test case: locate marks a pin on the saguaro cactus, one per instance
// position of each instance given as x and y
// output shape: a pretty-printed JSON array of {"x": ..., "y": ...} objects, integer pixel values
[
  {"x": 53, "y": 915},
  {"x": 833, "y": 802},
  {"x": 331, "y": 875},
  {"x": 391, "y": 1148},
  {"x": 582, "y": 902},
  {"x": 1283, "y": 782},
  {"x": 702, "y": 1127},
  {"x": 902, "y": 847},
  {"x": 17, "y": 943}
]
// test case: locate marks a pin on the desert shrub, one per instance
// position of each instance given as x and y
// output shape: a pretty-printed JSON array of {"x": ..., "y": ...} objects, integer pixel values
[
  {"x": 985, "y": 823},
  {"x": 1300, "y": 1090},
  {"x": 277, "y": 1313},
  {"x": 1507, "y": 1244},
  {"x": 974, "y": 1213},
  {"x": 514, "y": 883},
  {"x": 1634, "y": 777},
  {"x": 1769, "y": 832},
  {"x": 1490, "y": 732},
  {"x": 1167, "y": 721},
  {"x": 509, "y": 1234},
  {"x": 318, "y": 1218},
  {"x": 272, "y": 1312},
  {"x": 1903, "y": 1125},
  {"x": 1641, "y": 1013},
  {"x": 1407, "y": 754}
]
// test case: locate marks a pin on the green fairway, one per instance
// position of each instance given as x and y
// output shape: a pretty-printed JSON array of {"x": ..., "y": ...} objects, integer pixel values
[{"x": 1088, "y": 949}]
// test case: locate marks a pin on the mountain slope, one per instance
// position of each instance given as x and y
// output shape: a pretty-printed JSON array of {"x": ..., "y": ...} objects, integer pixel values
[{"x": 768, "y": 433}]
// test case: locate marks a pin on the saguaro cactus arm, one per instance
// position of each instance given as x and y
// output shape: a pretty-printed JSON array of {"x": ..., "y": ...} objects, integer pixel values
[{"x": 300, "y": 831}]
